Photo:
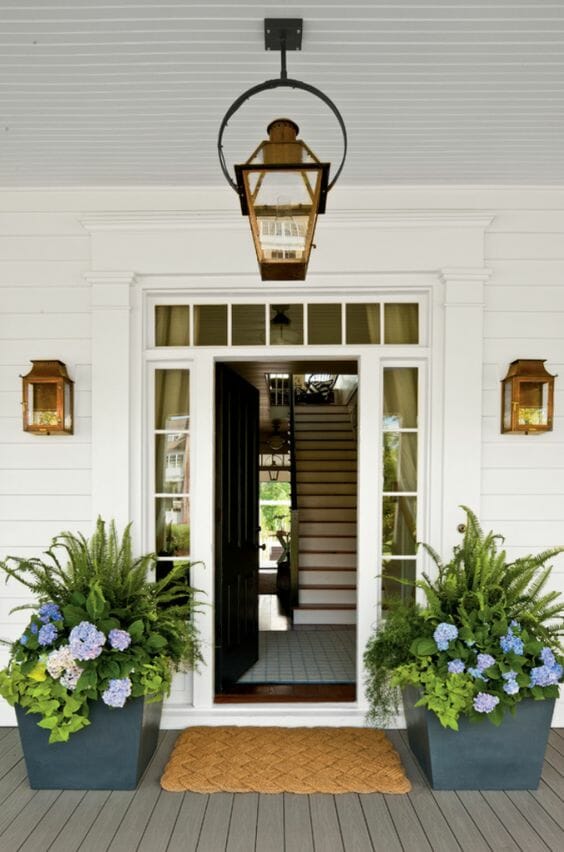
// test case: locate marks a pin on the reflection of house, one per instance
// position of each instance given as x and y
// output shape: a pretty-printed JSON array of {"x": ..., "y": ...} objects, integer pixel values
[{"x": 283, "y": 238}]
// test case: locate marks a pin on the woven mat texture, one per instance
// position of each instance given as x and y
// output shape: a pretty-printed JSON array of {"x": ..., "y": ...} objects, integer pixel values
[{"x": 284, "y": 760}]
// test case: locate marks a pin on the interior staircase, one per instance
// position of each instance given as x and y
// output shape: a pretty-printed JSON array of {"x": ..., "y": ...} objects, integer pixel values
[{"x": 326, "y": 464}]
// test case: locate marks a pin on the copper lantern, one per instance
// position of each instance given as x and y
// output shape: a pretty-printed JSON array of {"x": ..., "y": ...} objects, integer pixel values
[
  {"x": 283, "y": 188},
  {"x": 48, "y": 399},
  {"x": 527, "y": 399}
]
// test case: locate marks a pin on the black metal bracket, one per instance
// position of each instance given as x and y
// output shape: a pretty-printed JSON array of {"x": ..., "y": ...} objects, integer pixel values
[{"x": 283, "y": 33}]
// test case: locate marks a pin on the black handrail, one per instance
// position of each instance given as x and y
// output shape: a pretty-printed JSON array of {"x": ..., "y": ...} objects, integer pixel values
[{"x": 292, "y": 446}]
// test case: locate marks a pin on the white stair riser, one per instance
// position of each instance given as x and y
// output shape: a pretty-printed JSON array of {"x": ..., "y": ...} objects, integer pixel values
[
  {"x": 323, "y": 501},
  {"x": 326, "y": 544},
  {"x": 328, "y": 515},
  {"x": 327, "y": 596},
  {"x": 327, "y": 560},
  {"x": 312, "y": 477},
  {"x": 318, "y": 577},
  {"x": 325, "y": 528},
  {"x": 325, "y": 616}
]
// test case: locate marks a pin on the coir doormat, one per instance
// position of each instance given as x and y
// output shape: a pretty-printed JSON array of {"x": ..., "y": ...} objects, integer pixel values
[{"x": 284, "y": 760}]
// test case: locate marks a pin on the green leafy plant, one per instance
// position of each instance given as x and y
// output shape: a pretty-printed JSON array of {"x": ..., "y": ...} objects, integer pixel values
[
  {"x": 100, "y": 629},
  {"x": 487, "y": 637}
]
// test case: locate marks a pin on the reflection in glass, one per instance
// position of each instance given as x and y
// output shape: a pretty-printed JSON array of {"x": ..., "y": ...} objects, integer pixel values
[
  {"x": 392, "y": 590},
  {"x": 247, "y": 325},
  {"x": 533, "y": 403},
  {"x": 400, "y": 461},
  {"x": 400, "y": 397},
  {"x": 43, "y": 404},
  {"x": 172, "y": 525},
  {"x": 398, "y": 526},
  {"x": 401, "y": 323},
  {"x": 171, "y": 399},
  {"x": 210, "y": 325},
  {"x": 363, "y": 323},
  {"x": 324, "y": 324},
  {"x": 172, "y": 325},
  {"x": 286, "y": 325},
  {"x": 172, "y": 461}
]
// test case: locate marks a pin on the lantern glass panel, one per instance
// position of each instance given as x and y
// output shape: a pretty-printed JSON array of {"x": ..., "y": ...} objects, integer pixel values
[
  {"x": 67, "y": 407},
  {"x": 507, "y": 405},
  {"x": 42, "y": 403},
  {"x": 533, "y": 403}
]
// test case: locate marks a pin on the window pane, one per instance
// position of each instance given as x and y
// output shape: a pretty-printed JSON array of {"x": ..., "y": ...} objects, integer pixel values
[
  {"x": 171, "y": 399},
  {"x": 172, "y": 325},
  {"x": 247, "y": 325},
  {"x": 324, "y": 324},
  {"x": 286, "y": 325},
  {"x": 172, "y": 459},
  {"x": 210, "y": 325},
  {"x": 172, "y": 524},
  {"x": 400, "y": 461},
  {"x": 400, "y": 397},
  {"x": 401, "y": 323},
  {"x": 363, "y": 323},
  {"x": 393, "y": 570},
  {"x": 398, "y": 526}
]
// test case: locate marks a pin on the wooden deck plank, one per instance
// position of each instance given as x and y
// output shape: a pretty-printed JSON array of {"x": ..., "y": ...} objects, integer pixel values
[
  {"x": 186, "y": 832},
  {"x": 9, "y": 759},
  {"x": 556, "y": 741},
  {"x": 13, "y": 804},
  {"x": 270, "y": 823},
  {"x": 48, "y": 828},
  {"x": 553, "y": 778},
  {"x": 410, "y": 831},
  {"x": 490, "y": 826},
  {"x": 243, "y": 826},
  {"x": 550, "y": 802},
  {"x": 536, "y": 815},
  {"x": 215, "y": 826},
  {"x": 12, "y": 779},
  {"x": 380, "y": 825},
  {"x": 555, "y": 759},
  {"x": 22, "y": 826},
  {"x": 354, "y": 831},
  {"x": 9, "y": 740},
  {"x": 297, "y": 823},
  {"x": 325, "y": 823},
  {"x": 77, "y": 826},
  {"x": 161, "y": 823},
  {"x": 518, "y": 827}
]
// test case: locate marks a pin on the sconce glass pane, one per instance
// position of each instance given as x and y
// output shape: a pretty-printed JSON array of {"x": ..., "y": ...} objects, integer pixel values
[
  {"x": 507, "y": 405},
  {"x": 324, "y": 324},
  {"x": 172, "y": 325},
  {"x": 400, "y": 461},
  {"x": 399, "y": 516},
  {"x": 43, "y": 404},
  {"x": 363, "y": 323},
  {"x": 172, "y": 399},
  {"x": 172, "y": 525},
  {"x": 247, "y": 325},
  {"x": 533, "y": 403},
  {"x": 210, "y": 325},
  {"x": 400, "y": 398},
  {"x": 68, "y": 406},
  {"x": 286, "y": 325},
  {"x": 401, "y": 323},
  {"x": 172, "y": 462},
  {"x": 398, "y": 569}
]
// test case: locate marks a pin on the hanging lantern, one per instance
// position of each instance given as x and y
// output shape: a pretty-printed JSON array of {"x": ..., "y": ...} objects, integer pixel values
[
  {"x": 283, "y": 186},
  {"x": 527, "y": 401},
  {"x": 48, "y": 399}
]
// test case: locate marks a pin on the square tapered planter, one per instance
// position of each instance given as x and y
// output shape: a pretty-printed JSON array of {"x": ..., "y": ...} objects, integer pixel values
[
  {"x": 110, "y": 754},
  {"x": 480, "y": 756}
]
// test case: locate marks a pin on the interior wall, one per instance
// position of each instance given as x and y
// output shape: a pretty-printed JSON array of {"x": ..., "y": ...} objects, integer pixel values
[{"x": 45, "y": 306}]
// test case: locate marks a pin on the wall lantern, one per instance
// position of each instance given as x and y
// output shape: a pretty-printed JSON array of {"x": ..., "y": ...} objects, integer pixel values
[
  {"x": 48, "y": 399},
  {"x": 527, "y": 399},
  {"x": 283, "y": 186}
]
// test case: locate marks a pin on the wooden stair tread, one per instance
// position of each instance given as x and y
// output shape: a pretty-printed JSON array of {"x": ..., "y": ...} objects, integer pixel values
[
  {"x": 326, "y": 587},
  {"x": 326, "y": 606}
]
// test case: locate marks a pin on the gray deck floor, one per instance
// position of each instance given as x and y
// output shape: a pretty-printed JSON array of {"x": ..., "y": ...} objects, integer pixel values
[{"x": 151, "y": 820}]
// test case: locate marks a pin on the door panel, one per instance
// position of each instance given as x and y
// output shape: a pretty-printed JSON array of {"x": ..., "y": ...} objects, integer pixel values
[{"x": 237, "y": 475}]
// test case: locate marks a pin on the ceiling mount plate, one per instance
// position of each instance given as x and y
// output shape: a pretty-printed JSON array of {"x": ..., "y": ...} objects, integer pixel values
[{"x": 274, "y": 28}]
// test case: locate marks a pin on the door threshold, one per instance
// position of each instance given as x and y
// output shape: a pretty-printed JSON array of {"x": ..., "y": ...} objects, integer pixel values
[{"x": 251, "y": 693}]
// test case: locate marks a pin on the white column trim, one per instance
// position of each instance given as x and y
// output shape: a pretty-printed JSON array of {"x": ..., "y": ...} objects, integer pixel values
[{"x": 111, "y": 366}]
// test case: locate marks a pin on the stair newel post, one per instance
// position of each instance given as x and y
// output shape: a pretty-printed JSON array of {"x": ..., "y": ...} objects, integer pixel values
[{"x": 294, "y": 513}]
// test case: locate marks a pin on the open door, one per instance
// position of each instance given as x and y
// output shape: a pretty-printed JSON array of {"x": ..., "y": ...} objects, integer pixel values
[{"x": 237, "y": 476}]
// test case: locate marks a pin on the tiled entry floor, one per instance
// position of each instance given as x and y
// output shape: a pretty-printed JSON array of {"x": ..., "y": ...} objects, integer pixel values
[{"x": 305, "y": 656}]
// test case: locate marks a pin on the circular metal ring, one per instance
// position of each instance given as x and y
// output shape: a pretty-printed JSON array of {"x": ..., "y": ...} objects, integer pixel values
[{"x": 276, "y": 83}]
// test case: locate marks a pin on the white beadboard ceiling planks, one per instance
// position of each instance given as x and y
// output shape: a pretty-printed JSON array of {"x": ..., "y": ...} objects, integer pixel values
[{"x": 125, "y": 92}]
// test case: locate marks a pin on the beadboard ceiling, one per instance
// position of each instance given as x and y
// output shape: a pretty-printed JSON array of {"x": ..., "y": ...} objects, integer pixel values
[{"x": 127, "y": 92}]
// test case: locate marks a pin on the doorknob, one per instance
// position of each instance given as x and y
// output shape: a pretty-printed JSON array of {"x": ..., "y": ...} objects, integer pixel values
[{"x": 262, "y": 547}]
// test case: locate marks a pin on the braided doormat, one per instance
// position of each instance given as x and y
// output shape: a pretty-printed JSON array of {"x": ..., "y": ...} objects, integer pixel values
[{"x": 284, "y": 760}]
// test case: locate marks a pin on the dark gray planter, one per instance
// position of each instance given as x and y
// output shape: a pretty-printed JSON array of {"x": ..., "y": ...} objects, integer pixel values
[
  {"x": 480, "y": 756},
  {"x": 110, "y": 754}
]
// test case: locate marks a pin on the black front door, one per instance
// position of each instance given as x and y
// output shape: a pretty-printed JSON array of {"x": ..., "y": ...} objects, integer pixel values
[{"x": 237, "y": 476}]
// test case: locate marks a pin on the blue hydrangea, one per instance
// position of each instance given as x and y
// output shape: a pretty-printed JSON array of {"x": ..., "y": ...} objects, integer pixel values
[
  {"x": 34, "y": 628},
  {"x": 49, "y": 612},
  {"x": 509, "y": 642},
  {"x": 546, "y": 675},
  {"x": 511, "y": 687},
  {"x": 117, "y": 693},
  {"x": 485, "y": 703},
  {"x": 511, "y": 675},
  {"x": 456, "y": 666},
  {"x": 547, "y": 656},
  {"x": 47, "y": 634},
  {"x": 444, "y": 634},
  {"x": 23, "y": 639},
  {"x": 119, "y": 639},
  {"x": 485, "y": 661},
  {"x": 86, "y": 641},
  {"x": 477, "y": 673}
]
